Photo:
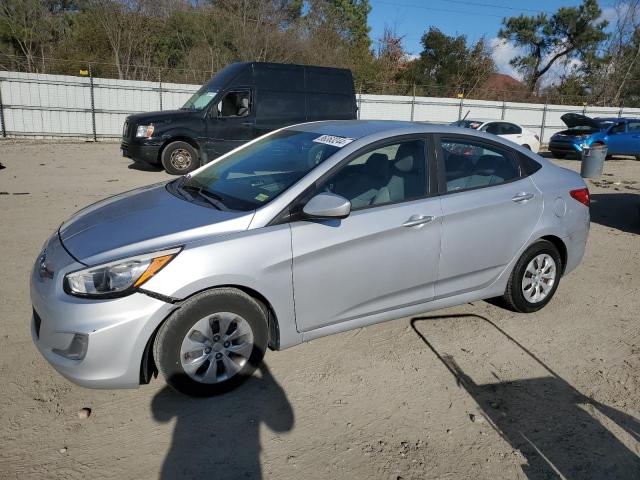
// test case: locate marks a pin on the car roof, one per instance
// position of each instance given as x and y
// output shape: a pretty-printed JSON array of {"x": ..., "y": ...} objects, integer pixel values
[
  {"x": 616, "y": 119},
  {"x": 487, "y": 120},
  {"x": 364, "y": 128}
]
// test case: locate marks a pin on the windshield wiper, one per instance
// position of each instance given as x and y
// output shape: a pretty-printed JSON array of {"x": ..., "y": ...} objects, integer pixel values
[{"x": 210, "y": 197}]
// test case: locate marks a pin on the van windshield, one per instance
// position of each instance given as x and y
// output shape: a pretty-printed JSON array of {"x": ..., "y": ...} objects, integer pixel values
[
  {"x": 256, "y": 174},
  {"x": 200, "y": 99}
]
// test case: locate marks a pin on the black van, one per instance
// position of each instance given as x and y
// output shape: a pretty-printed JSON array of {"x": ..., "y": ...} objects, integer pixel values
[{"x": 243, "y": 101}]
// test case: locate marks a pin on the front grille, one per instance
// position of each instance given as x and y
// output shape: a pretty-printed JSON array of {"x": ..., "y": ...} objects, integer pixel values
[{"x": 36, "y": 322}]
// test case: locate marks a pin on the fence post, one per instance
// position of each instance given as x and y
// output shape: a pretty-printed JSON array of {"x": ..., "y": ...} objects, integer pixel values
[
  {"x": 461, "y": 106},
  {"x": 619, "y": 111},
  {"x": 160, "y": 90},
  {"x": 544, "y": 120},
  {"x": 2, "y": 125},
  {"x": 413, "y": 101},
  {"x": 584, "y": 108},
  {"x": 359, "y": 100},
  {"x": 93, "y": 105},
  {"x": 504, "y": 109}
]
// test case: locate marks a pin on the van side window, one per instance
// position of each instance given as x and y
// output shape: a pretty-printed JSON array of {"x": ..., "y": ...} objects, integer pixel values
[{"x": 235, "y": 104}]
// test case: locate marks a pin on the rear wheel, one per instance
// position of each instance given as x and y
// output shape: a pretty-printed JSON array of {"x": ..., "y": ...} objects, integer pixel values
[
  {"x": 179, "y": 158},
  {"x": 535, "y": 278},
  {"x": 526, "y": 146},
  {"x": 213, "y": 343}
]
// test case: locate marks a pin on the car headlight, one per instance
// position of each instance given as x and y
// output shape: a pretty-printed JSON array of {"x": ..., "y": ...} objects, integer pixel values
[
  {"x": 117, "y": 278},
  {"x": 145, "y": 131}
]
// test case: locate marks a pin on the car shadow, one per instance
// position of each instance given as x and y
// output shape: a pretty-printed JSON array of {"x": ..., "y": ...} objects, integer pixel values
[
  {"x": 616, "y": 210},
  {"x": 144, "y": 167},
  {"x": 220, "y": 437},
  {"x": 547, "y": 419}
]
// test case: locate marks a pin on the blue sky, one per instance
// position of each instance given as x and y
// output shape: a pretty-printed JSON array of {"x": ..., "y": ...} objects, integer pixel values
[{"x": 474, "y": 18}]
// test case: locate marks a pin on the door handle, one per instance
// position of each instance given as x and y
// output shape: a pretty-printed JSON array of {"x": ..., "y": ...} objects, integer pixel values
[
  {"x": 522, "y": 197},
  {"x": 416, "y": 220}
]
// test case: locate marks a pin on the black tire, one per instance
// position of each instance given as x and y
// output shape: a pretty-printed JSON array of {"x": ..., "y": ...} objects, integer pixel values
[
  {"x": 513, "y": 298},
  {"x": 560, "y": 155},
  {"x": 168, "y": 341},
  {"x": 526, "y": 146},
  {"x": 180, "y": 158}
]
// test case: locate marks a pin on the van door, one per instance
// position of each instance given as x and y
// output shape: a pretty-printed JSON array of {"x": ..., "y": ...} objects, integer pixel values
[
  {"x": 280, "y": 99},
  {"x": 230, "y": 122}
]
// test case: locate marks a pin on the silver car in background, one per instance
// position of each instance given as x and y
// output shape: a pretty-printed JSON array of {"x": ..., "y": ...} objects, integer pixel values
[{"x": 308, "y": 231}]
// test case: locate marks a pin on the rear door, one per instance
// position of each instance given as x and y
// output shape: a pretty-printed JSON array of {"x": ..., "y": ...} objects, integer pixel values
[
  {"x": 489, "y": 212},
  {"x": 384, "y": 255}
]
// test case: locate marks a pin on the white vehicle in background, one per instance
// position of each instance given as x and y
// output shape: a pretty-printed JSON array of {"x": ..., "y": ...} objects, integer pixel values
[{"x": 508, "y": 130}]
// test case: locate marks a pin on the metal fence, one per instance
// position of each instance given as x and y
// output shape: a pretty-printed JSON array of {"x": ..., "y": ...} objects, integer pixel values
[{"x": 50, "y": 106}]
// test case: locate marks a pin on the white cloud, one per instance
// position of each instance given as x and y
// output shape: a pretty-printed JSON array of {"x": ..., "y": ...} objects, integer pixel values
[{"x": 502, "y": 52}]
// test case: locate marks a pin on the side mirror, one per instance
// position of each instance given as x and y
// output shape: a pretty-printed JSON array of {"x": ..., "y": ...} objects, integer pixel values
[{"x": 327, "y": 205}]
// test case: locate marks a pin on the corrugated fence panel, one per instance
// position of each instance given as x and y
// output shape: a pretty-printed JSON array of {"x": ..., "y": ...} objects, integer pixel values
[{"x": 42, "y": 105}]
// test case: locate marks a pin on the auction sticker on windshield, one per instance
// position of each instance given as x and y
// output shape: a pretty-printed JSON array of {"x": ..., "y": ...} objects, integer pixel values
[{"x": 334, "y": 140}]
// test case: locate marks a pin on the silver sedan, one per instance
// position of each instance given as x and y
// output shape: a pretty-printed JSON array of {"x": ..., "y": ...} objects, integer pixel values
[{"x": 308, "y": 231}]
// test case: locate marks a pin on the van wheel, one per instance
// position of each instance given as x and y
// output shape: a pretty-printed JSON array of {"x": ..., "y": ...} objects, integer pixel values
[
  {"x": 179, "y": 158},
  {"x": 535, "y": 278},
  {"x": 526, "y": 146},
  {"x": 213, "y": 343}
]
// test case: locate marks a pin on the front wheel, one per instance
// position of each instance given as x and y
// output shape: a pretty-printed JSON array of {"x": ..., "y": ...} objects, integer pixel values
[
  {"x": 535, "y": 278},
  {"x": 213, "y": 343},
  {"x": 179, "y": 158}
]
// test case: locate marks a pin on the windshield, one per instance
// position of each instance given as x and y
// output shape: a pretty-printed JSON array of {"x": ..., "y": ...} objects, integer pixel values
[
  {"x": 200, "y": 99},
  {"x": 256, "y": 174},
  {"x": 475, "y": 124}
]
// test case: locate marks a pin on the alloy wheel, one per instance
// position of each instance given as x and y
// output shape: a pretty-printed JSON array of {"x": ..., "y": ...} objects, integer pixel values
[
  {"x": 216, "y": 348},
  {"x": 539, "y": 278}
]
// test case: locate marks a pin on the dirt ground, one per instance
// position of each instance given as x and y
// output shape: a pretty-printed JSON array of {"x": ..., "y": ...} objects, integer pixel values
[{"x": 472, "y": 392}]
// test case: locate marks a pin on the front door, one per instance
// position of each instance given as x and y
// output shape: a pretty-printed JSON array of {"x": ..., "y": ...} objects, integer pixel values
[
  {"x": 384, "y": 255},
  {"x": 230, "y": 122},
  {"x": 489, "y": 212},
  {"x": 624, "y": 138}
]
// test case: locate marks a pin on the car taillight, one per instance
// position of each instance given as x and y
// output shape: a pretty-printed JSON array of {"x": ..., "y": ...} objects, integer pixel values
[{"x": 581, "y": 195}]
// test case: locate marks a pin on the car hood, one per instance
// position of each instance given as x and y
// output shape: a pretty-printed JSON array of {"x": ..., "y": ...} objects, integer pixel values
[
  {"x": 161, "y": 116},
  {"x": 573, "y": 120},
  {"x": 140, "y": 221}
]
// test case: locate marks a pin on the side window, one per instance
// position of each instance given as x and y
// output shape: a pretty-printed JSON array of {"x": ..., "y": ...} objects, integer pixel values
[
  {"x": 511, "y": 129},
  {"x": 392, "y": 173},
  {"x": 471, "y": 164},
  {"x": 493, "y": 127},
  {"x": 633, "y": 127},
  {"x": 276, "y": 105},
  {"x": 235, "y": 104},
  {"x": 618, "y": 128}
]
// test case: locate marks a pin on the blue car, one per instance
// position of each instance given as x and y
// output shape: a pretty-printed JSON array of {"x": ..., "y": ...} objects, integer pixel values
[{"x": 620, "y": 135}]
